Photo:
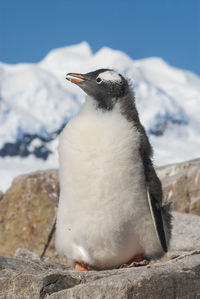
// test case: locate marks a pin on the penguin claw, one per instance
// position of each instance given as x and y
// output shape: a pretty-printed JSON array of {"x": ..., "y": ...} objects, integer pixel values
[{"x": 137, "y": 261}]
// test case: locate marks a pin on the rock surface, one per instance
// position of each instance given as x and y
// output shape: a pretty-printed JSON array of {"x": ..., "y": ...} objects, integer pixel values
[
  {"x": 27, "y": 212},
  {"x": 26, "y": 277},
  {"x": 181, "y": 185},
  {"x": 185, "y": 232}
]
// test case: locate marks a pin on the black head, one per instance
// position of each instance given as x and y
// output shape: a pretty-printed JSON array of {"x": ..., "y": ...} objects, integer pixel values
[{"x": 104, "y": 85}]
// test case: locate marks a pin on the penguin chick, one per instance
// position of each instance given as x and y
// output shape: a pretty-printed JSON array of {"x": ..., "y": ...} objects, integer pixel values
[{"x": 110, "y": 208}]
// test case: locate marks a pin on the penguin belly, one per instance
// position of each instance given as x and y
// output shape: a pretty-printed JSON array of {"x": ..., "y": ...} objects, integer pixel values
[{"x": 103, "y": 217}]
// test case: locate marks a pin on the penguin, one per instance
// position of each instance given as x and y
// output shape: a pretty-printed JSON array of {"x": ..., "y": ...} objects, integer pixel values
[{"x": 110, "y": 211}]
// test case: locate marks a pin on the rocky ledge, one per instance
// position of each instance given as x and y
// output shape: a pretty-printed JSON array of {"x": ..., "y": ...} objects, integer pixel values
[{"x": 26, "y": 276}]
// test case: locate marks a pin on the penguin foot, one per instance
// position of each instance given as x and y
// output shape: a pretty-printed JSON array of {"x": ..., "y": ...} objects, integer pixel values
[
  {"x": 81, "y": 267},
  {"x": 137, "y": 261}
]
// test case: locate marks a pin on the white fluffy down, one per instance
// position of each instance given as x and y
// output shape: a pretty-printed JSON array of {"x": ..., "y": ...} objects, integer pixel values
[{"x": 103, "y": 216}]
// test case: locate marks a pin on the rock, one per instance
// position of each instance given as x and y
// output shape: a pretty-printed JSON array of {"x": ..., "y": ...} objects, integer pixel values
[
  {"x": 185, "y": 232},
  {"x": 27, "y": 212},
  {"x": 181, "y": 185},
  {"x": 32, "y": 278},
  {"x": 26, "y": 254}
]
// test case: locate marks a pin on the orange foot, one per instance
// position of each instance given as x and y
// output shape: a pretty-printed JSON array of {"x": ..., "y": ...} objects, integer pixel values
[
  {"x": 81, "y": 267},
  {"x": 137, "y": 261}
]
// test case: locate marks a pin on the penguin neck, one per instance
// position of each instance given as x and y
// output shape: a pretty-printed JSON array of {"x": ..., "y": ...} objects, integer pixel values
[
  {"x": 92, "y": 104},
  {"x": 128, "y": 108},
  {"x": 124, "y": 105},
  {"x": 106, "y": 104}
]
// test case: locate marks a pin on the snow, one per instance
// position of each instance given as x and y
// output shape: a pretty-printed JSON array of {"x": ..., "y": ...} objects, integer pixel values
[{"x": 37, "y": 99}]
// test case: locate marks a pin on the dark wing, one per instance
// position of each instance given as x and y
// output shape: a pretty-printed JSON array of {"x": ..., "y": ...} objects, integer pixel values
[
  {"x": 154, "y": 189},
  {"x": 157, "y": 220}
]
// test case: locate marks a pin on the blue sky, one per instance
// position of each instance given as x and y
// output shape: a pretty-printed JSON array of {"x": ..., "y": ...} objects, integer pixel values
[{"x": 168, "y": 29}]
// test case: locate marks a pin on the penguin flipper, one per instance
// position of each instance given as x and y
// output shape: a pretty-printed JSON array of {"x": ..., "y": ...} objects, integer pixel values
[
  {"x": 161, "y": 216},
  {"x": 156, "y": 213}
]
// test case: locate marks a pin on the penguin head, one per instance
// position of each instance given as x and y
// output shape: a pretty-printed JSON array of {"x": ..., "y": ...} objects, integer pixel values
[{"x": 103, "y": 85}]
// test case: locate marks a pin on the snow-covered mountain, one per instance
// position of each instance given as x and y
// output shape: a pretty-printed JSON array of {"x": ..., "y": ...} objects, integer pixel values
[{"x": 36, "y": 102}]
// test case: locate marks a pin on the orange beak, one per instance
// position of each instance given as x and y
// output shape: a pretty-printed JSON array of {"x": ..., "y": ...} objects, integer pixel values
[{"x": 75, "y": 78}]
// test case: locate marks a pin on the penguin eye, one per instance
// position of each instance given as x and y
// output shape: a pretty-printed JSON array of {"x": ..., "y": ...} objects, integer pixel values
[{"x": 98, "y": 80}]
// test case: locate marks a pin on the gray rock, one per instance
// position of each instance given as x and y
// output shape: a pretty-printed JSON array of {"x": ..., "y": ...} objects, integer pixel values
[
  {"x": 26, "y": 254},
  {"x": 185, "y": 233},
  {"x": 26, "y": 278},
  {"x": 172, "y": 279},
  {"x": 181, "y": 185}
]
